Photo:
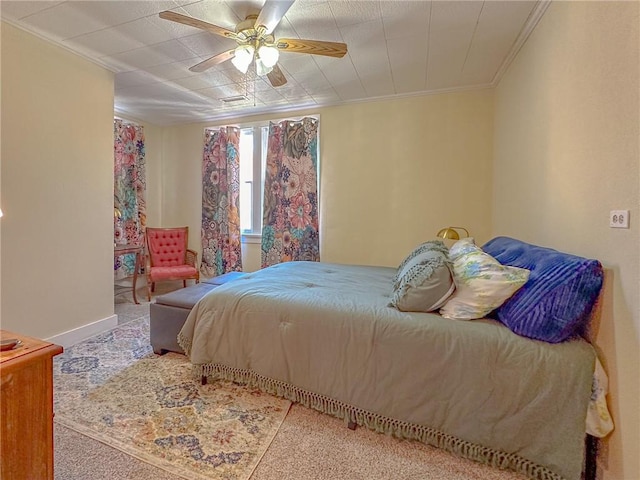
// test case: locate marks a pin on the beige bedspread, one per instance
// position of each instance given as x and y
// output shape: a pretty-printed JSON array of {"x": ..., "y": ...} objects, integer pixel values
[{"x": 322, "y": 334}]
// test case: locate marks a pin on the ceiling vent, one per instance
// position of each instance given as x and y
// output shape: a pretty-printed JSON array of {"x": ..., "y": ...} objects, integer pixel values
[{"x": 237, "y": 98}]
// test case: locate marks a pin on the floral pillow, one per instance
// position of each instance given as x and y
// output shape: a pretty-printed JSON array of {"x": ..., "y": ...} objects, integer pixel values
[
  {"x": 424, "y": 280},
  {"x": 482, "y": 283}
]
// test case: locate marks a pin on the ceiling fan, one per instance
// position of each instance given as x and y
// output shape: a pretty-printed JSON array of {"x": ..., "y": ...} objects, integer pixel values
[{"x": 256, "y": 42}]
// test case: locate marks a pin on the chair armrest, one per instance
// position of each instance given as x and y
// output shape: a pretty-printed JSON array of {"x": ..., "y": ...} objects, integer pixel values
[{"x": 192, "y": 258}]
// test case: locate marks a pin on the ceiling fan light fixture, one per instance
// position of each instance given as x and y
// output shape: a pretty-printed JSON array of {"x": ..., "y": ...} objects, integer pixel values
[
  {"x": 262, "y": 68},
  {"x": 269, "y": 55},
  {"x": 242, "y": 58}
]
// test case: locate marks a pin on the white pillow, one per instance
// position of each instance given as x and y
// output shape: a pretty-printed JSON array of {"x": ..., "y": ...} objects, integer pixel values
[
  {"x": 424, "y": 280},
  {"x": 482, "y": 283}
]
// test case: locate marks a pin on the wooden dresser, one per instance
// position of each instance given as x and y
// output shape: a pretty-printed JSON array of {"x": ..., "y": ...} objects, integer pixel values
[{"x": 26, "y": 409}]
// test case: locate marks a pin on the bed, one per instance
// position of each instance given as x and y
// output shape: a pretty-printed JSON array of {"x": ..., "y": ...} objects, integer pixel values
[{"x": 326, "y": 336}]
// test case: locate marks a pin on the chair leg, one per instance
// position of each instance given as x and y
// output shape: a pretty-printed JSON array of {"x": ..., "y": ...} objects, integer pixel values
[
  {"x": 153, "y": 287},
  {"x": 148, "y": 291},
  {"x": 184, "y": 284}
]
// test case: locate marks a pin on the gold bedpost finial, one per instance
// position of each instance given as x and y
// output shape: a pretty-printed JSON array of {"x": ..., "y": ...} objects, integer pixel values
[{"x": 451, "y": 233}]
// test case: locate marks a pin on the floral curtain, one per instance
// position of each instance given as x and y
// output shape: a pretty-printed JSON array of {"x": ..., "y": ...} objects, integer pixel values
[
  {"x": 130, "y": 218},
  {"x": 221, "y": 248},
  {"x": 290, "y": 216}
]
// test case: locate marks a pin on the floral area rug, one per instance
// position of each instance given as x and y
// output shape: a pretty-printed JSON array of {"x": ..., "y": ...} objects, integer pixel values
[{"x": 114, "y": 389}]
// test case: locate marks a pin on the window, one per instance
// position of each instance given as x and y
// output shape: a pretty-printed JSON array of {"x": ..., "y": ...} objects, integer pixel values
[{"x": 253, "y": 156}]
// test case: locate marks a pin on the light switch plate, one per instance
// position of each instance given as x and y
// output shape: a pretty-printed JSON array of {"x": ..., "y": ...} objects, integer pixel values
[{"x": 619, "y": 219}]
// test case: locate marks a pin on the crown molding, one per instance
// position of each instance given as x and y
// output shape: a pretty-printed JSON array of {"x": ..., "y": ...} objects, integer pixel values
[{"x": 529, "y": 26}]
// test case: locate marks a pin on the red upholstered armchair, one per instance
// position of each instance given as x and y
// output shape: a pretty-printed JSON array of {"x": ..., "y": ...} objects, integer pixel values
[{"x": 168, "y": 257}]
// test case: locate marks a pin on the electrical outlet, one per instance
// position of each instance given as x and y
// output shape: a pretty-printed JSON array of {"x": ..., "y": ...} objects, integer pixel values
[{"x": 619, "y": 219}]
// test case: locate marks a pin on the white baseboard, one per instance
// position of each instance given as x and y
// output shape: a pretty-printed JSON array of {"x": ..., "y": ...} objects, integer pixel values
[{"x": 71, "y": 337}]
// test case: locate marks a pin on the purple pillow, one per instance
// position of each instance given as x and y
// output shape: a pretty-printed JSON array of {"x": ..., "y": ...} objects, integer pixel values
[{"x": 556, "y": 302}]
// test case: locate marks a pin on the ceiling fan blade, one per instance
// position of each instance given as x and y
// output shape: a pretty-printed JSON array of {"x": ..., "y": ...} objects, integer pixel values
[
  {"x": 215, "y": 60},
  {"x": 314, "y": 47},
  {"x": 271, "y": 14},
  {"x": 194, "y": 22},
  {"x": 276, "y": 77}
]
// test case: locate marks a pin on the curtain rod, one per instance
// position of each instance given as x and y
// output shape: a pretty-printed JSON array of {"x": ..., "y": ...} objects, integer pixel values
[
  {"x": 129, "y": 122},
  {"x": 263, "y": 123}
]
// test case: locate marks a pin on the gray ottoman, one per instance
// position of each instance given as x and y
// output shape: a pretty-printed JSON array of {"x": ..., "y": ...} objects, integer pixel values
[{"x": 169, "y": 312}]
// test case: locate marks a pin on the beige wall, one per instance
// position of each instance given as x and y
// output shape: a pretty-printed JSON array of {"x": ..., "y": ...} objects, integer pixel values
[
  {"x": 566, "y": 153},
  {"x": 392, "y": 174},
  {"x": 57, "y": 188},
  {"x": 181, "y": 179},
  {"x": 153, "y": 161},
  {"x": 0, "y": 184}
]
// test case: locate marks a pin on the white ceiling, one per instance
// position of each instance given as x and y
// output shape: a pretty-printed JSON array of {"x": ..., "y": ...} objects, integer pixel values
[{"x": 396, "y": 47}]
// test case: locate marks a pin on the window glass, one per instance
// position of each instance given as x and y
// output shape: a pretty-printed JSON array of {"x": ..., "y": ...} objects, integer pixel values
[{"x": 246, "y": 180}]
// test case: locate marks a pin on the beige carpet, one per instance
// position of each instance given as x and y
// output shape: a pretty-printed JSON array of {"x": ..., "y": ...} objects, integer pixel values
[
  {"x": 308, "y": 446},
  {"x": 314, "y": 446}
]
